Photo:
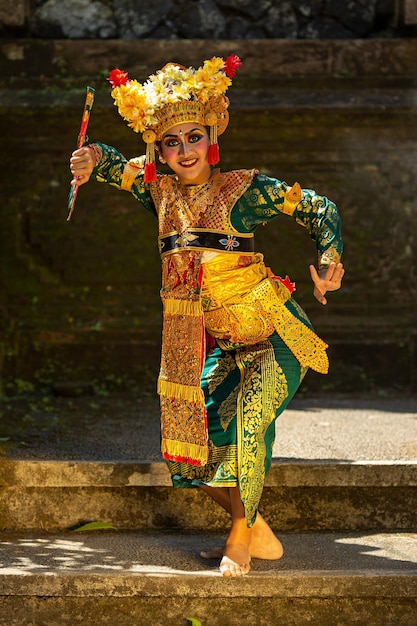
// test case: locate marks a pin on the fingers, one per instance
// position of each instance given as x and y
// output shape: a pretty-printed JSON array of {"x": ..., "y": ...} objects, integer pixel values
[
  {"x": 340, "y": 272},
  {"x": 329, "y": 279},
  {"x": 319, "y": 288},
  {"x": 81, "y": 154},
  {"x": 314, "y": 275},
  {"x": 80, "y": 180},
  {"x": 319, "y": 296},
  {"x": 80, "y": 151},
  {"x": 81, "y": 165},
  {"x": 334, "y": 273}
]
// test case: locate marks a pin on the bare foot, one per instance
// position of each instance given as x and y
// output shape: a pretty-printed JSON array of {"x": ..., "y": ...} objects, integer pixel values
[
  {"x": 236, "y": 561},
  {"x": 263, "y": 544}
]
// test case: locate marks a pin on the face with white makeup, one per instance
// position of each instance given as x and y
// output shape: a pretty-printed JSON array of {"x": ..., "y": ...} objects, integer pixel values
[{"x": 184, "y": 147}]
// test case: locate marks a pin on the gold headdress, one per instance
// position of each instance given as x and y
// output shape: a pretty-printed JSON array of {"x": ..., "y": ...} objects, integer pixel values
[{"x": 175, "y": 95}]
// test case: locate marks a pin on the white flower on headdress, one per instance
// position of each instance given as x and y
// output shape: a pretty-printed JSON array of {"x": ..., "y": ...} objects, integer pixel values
[{"x": 138, "y": 103}]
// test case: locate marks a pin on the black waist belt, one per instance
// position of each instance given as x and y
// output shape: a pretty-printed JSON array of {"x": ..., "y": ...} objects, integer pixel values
[{"x": 207, "y": 239}]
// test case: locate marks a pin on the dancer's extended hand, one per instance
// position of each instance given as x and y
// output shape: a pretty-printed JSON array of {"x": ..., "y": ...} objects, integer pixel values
[
  {"x": 82, "y": 163},
  {"x": 329, "y": 279}
]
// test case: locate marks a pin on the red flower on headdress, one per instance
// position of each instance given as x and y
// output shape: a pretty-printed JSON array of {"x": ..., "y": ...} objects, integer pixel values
[
  {"x": 231, "y": 65},
  {"x": 118, "y": 77}
]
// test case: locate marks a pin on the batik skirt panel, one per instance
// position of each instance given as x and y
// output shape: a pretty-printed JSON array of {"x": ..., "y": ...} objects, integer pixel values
[{"x": 246, "y": 389}]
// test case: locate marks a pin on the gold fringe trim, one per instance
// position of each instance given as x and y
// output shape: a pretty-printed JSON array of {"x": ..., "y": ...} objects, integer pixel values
[
  {"x": 183, "y": 392},
  {"x": 175, "y": 306},
  {"x": 185, "y": 450},
  {"x": 306, "y": 346}
]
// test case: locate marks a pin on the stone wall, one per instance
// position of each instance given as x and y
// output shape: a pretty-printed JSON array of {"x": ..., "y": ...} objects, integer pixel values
[
  {"x": 208, "y": 19},
  {"x": 79, "y": 300}
]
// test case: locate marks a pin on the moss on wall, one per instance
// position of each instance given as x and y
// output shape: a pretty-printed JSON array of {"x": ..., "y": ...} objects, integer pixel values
[{"x": 80, "y": 299}]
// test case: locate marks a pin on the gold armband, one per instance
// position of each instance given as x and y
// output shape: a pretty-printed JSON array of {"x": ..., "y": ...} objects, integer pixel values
[{"x": 330, "y": 255}]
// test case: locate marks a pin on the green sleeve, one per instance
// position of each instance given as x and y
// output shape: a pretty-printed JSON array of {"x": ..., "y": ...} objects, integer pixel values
[
  {"x": 265, "y": 200},
  {"x": 110, "y": 168}
]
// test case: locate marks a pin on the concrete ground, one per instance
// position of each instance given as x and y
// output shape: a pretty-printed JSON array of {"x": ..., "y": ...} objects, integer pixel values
[
  {"x": 125, "y": 427},
  {"x": 156, "y": 576},
  {"x": 161, "y": 553}
]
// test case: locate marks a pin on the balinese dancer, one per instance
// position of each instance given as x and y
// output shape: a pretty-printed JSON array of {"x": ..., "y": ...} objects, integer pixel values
[{"x": 235, "y": 344}]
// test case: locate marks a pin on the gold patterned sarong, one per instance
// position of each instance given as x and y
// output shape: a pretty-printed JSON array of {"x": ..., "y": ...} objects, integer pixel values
[{"x": 244, "y": 305}]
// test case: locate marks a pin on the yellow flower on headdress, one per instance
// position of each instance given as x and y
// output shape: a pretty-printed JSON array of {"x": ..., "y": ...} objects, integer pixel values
[
  {"x": 209, "y": 70},
  {"x": 131, "y": 101},
  {"x": 210, "y": 79},
  {"x": 137, "y": 103}
]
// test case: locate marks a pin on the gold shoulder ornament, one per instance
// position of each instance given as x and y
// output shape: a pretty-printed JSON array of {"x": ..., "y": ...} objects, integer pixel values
[{"x": 292, "y": 198}]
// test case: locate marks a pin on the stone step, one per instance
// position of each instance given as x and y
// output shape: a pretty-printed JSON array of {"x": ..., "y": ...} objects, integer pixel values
[
  {"x": 135, "y": 579},
  {"x": 303, "y": 496}
]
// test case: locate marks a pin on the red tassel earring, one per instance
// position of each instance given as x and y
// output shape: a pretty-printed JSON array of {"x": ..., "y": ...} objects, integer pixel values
[
  {"x": 213, "y": 156},
  {"x": 149, "y": 174}
]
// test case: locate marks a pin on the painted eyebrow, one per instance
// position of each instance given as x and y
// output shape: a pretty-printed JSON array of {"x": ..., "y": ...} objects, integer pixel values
[{"x": 193, "y": 130}]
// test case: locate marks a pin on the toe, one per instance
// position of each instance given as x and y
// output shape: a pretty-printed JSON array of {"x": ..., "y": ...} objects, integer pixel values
[
  {"x": 229, "y": 568},
  {"x": 214, "y": 553}
]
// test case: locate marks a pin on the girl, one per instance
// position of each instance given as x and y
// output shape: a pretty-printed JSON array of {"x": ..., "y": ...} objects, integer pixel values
[{"x": 235, "y": 344}]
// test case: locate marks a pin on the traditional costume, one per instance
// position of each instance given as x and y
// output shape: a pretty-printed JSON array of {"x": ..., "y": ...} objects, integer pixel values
[{"x": 235, "y": 344}]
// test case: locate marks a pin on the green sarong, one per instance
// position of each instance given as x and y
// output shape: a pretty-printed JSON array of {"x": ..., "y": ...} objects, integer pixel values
[{"x": 246, "y": 389}]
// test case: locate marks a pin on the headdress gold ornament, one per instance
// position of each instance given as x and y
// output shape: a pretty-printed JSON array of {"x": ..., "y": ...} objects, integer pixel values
[{"x": 176, "y": 95}]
